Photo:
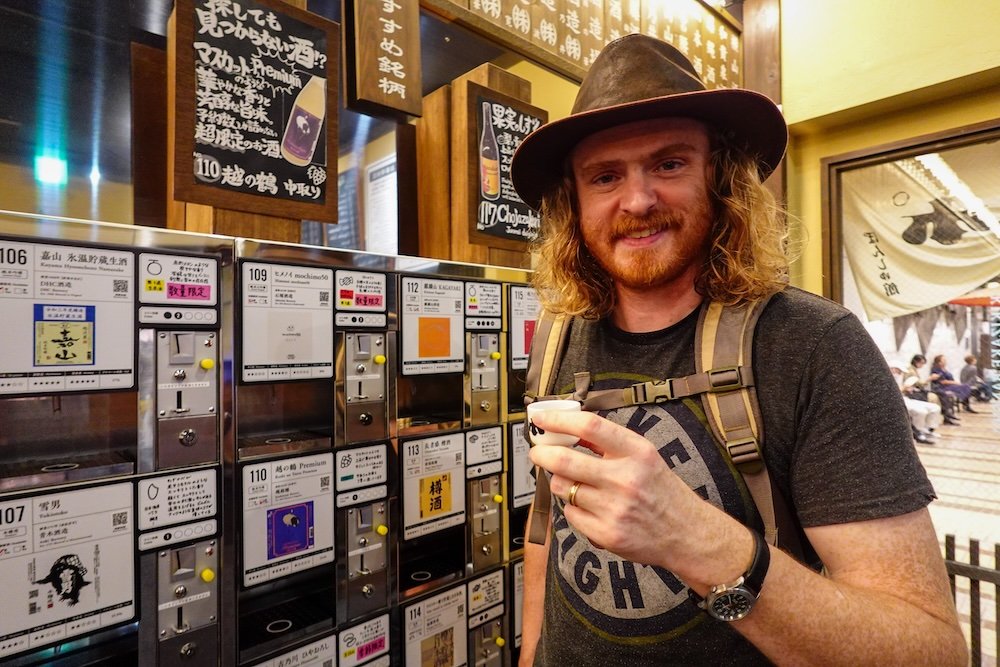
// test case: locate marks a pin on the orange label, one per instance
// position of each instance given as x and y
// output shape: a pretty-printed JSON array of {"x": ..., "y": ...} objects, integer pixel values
[{"x": 435, "y": 337}]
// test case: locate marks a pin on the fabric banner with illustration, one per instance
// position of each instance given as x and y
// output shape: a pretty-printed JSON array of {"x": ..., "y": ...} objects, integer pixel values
[{"x": 909, "y": 245}]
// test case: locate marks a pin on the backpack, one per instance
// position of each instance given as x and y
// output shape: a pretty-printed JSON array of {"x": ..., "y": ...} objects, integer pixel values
[{"x": 723, "y": 378}]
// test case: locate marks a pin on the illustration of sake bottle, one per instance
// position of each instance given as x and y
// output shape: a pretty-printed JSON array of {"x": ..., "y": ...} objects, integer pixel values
[
  {"x": 305, "y": 122},
  {"x": 489, "y": 158}
]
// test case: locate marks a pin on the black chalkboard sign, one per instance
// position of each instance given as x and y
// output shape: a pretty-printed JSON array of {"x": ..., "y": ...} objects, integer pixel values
[
  {"x": 500, "y": 124},
  {"x": 256, "y": 108}
]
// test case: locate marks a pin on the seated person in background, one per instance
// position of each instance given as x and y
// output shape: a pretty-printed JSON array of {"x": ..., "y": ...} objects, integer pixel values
[
  {"x": 970, "y": 375},
  {"x": 943, "y": 382},
  {"x": 924, "y": 415},
  {"x": 916, "y": 388}
]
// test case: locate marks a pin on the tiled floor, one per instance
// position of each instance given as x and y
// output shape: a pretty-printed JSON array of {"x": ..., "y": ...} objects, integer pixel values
[{"x": 964, "y": 466}]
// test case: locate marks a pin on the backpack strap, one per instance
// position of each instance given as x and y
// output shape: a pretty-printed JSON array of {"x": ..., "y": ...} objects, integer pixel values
[
  {"x": 547, "y": 347},
  {"x": 724, "y": 344}
]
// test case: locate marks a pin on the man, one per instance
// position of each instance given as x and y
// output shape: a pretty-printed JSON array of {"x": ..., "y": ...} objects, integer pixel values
[
  {"x": 970, "y": 375},
  {"x": 651, "y": 203},
  {"x": 924, "y": 415}
]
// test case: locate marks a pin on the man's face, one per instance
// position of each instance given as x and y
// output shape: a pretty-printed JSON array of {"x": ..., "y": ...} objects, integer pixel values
[{"x": 643, "y": 198}]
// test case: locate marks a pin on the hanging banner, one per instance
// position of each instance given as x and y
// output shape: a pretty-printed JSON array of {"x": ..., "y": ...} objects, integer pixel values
[{"x": 910, "y": 245}]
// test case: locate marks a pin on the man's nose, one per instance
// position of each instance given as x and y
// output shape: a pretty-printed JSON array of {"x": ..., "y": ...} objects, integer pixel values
[{"x": 638, "y": 197}]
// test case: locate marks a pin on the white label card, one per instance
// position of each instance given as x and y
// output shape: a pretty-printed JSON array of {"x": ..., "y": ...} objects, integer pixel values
[
  {"x": 520, "y": 466},
  {"x": 364, "y": 642},
  {"x": 361, "y": 291},
  {"x": 287, "y": 517},
  {"x": 486, "y": 592},
  {"x": 287, "y": 322},
  {"x": 322, "y": 653},
  {"x": 187, "y": 496},
  {"x": 432, "y": 328},
  {"x": 483, "y": 300},
  {"x": 363, "y": 466},
  {"x": 69, "y": 315},
  {"x": 484, "y": 445},
  {"x": 435, "y": 630},
  {"x": 66, "y": 565},
  {"x": 178, "y": 280},
  {"x": 433, "y": 484},
  {"x": 518, "y": 569},
  {"x": 524, "y": 311}
]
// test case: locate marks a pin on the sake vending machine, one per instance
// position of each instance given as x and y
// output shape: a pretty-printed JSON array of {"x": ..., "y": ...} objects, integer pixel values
[
  {"x": 521, "y": 315},
  {"x": 110, "y": 402},
  {"x": 483, "y": 325},
  {"x": 365, "y": 333},
  {"x": 484, "y": 450},
  {"x": 281, "y": 493}
]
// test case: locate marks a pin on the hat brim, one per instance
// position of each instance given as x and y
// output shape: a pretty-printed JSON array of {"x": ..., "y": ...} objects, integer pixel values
[{"x": 752, "y": 118}]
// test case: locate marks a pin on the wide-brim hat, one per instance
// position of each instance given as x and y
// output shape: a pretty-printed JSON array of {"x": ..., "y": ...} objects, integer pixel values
[{"x": 638, "y": 78}]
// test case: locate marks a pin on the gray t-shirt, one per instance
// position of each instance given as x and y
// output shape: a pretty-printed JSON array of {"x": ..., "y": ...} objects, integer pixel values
[{"x": 836, "y": 439}]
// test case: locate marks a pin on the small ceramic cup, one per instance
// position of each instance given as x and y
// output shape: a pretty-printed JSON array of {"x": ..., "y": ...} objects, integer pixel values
[{"x": 540, "y": 437}]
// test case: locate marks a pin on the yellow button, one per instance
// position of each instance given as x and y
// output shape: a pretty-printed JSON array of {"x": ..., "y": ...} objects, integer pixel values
[
  {"x": 382, "y": 529},
  {"x": 499, "y": 642},
  {"x": 208, "y": 575},
  {"x": 498, "y": 499},
  {"x": 494, "y": 355},
  {"x": 207, "y": 364},
  {"x": 379, "y": 359}
]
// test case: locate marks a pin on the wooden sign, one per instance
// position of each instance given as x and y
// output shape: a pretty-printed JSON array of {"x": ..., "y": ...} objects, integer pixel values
[
  {"x": 497, "y": 126},
  {"x": 255, "y": 101},
  {"x": 383, "y": 56}
]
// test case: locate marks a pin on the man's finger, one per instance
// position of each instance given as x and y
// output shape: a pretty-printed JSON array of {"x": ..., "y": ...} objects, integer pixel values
[{"x": 603, "y": 437}]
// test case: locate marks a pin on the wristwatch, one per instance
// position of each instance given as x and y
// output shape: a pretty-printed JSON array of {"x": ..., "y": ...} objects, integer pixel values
[{"x": 731, "y": 602}]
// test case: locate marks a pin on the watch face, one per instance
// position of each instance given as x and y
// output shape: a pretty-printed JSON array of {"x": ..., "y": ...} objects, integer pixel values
[{"x": 732, "y": 604}]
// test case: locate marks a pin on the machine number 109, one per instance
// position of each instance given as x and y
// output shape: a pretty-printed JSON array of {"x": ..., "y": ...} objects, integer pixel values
[{"x": 9, "y": 515}]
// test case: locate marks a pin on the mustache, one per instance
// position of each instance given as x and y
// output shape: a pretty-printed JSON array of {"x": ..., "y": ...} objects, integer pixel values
[{"x": 627, "y": 224}]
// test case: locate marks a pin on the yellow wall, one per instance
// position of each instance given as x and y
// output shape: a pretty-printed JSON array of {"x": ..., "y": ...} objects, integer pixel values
[
  {"x": 842, "y": 54},
  {"x": 110, "y": 202},
  {"x": 858, "y": 74},
  {"x": 548, "y": 91}
]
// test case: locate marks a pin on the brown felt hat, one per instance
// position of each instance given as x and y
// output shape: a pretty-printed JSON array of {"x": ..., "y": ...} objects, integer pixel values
[{"x": 641, "y": 78}]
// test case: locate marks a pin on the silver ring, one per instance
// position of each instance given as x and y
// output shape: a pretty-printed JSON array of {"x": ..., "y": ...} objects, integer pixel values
[{"x": 571, "y": 497}]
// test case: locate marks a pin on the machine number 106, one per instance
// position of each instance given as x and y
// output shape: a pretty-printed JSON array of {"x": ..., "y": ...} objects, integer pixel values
[{"x": 16, "y": 256}]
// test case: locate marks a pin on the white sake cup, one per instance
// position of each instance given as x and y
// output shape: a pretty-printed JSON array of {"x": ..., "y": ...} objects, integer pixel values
[{"x": 540, "y": 437}]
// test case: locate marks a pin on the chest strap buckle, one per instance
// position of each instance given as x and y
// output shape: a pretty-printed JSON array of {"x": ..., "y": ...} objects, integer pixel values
[{"x": 659, "y": 391}]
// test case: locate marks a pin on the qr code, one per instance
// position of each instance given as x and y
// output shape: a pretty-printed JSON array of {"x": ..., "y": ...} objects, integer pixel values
[
  {"x": 119, "y": 519},
  {"x": 324, "y": 482},
  {"x": 120, "y": 286},
  {"x": 324, "y": 296}
]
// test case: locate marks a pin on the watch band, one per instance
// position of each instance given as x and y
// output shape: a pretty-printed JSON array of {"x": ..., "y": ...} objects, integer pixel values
[{"x": 752, "y": 579}]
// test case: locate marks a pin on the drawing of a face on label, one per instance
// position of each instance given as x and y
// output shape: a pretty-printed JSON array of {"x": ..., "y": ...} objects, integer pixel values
[{"x": 66, "y": 577}]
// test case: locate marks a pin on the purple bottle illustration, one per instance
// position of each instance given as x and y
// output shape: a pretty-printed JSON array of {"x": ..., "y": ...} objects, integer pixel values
[{"x": 305, "y": 123}]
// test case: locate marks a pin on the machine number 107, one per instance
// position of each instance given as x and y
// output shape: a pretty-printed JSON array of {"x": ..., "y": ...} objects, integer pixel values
[{"x": 10, "y": 515}]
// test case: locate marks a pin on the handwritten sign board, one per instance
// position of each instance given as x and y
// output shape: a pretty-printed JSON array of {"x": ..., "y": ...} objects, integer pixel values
[
  {"x": 497, "y": 125},
  {"x": 255, "y": 100},
  {"x": 383, "y": 56}
]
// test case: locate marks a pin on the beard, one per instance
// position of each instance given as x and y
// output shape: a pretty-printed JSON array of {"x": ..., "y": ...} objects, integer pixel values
[{"x": 664, "y": 261}]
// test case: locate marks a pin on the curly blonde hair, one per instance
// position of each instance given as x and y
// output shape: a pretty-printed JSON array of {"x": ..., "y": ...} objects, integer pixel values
[{"x": 746, "y": 258}]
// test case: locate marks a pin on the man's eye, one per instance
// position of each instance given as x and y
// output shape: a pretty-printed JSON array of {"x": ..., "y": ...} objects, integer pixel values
[
  {"x": 603, "y": 179},
  {"x": 669, "y": 165}
]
